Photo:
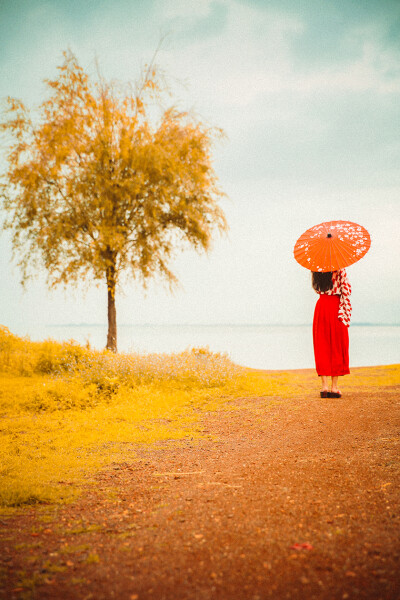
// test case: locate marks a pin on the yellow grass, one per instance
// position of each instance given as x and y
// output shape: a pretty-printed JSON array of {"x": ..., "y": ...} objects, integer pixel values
[{"x": 67, "y": 411}]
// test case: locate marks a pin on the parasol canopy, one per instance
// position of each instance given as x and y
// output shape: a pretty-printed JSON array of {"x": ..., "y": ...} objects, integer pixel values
[{"x": 331, "y": 246}]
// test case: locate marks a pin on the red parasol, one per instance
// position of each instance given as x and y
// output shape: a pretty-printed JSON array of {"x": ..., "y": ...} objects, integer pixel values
[{"x": 332, "y": 246}]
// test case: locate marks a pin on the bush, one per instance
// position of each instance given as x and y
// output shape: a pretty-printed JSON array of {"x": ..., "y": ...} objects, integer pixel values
[
  {"x": 108, "y": 370},
  {"x": 55, "y": 357},
  {"x": 198, "y": 367},
  {"x": 81, "y": 378},
  {"x": 21, "y": 356},
  {"x": 61, "y": 395},
  {"x": 15, "y": 353}
]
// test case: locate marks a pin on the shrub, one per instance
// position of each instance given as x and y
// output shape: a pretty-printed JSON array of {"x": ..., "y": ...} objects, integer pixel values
[{"x": 55, "y": 395}]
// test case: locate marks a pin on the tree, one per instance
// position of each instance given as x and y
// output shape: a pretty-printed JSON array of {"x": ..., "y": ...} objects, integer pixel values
[{"x": 97, "y": 186}]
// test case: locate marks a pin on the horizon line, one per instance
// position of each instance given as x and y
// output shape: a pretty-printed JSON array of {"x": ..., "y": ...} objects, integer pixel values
[{"x": 228, "y": 324}]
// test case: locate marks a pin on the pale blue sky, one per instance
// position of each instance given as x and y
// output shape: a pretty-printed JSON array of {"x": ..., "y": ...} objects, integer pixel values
[{"x": 308, "y": 94}]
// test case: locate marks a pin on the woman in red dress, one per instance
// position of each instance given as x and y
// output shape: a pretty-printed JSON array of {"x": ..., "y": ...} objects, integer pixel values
[{"x": 330, "y": 328}]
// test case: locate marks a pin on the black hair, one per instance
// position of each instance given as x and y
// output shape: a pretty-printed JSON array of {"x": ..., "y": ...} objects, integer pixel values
[{"x": 322, "y": 282}]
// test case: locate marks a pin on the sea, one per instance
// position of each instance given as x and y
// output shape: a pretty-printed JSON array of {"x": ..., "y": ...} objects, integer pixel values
[{"x": 259, "y": 346}]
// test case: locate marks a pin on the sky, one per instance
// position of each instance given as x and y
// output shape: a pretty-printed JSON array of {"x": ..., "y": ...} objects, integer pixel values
[{"x": 308, "y": 95}]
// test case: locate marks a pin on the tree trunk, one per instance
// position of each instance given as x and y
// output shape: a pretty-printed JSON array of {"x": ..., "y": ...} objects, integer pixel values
[{"x": 112, "y": 313}]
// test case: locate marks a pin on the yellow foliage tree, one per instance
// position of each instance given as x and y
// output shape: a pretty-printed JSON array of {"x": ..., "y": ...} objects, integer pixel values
[{"x": 97, "y": 186}]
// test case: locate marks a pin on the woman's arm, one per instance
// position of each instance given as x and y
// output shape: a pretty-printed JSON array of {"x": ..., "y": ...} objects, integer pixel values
[{"x": 345, "y": 292}]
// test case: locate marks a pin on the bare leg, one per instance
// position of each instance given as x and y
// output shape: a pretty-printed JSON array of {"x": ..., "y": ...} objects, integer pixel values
[
  {"x": 335, "y": 384},
  {"x": 324, "y": 380}
]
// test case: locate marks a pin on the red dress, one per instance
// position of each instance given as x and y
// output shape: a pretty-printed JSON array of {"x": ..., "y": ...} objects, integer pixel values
[{"x": 330, "y": 327}]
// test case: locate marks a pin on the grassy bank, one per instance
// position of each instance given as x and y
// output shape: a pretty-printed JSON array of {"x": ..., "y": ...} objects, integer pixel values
[{"x": 67, "y": 411}]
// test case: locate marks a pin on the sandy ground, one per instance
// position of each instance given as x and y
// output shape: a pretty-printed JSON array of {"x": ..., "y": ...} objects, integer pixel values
[{"x": 283, "y": 499}]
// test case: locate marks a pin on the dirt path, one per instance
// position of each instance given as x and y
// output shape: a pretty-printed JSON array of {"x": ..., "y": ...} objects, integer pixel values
[{"x": 294, "y": 499}]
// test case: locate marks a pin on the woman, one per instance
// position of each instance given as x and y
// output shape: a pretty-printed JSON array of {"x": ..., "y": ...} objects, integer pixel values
[{"x": 330, "y": 328}]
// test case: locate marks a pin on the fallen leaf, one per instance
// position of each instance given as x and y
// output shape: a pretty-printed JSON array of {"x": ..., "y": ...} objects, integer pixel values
[{"x": 304, "y": 546}]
